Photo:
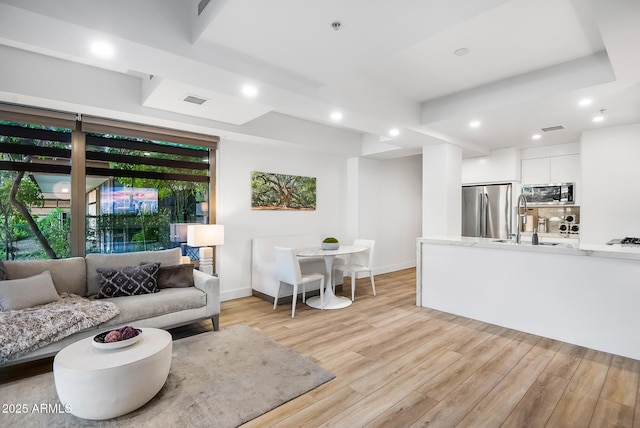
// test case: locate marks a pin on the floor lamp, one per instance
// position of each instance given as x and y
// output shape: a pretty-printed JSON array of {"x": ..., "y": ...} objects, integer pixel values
[{"x": 203, "y": 236}]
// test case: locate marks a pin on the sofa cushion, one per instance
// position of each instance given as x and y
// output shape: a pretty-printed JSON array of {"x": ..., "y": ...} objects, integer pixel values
[
  {"x": 69, "y": 275},
  {"x": 128, "y": 280},
  {"x": 165, "y": 301},
  {"x": 27, "y": 292},
  {"x": 176, "y": 276},
  {"x": 94, "y": 261}
]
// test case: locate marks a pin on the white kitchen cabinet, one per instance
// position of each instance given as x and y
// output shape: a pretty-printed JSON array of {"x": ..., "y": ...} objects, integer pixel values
[
  {"x": 553, "y": 169},
  {"x": 535, "y": 171},
  {"x": 586, "y": 299},
  {"x": 564, "y": 169}
]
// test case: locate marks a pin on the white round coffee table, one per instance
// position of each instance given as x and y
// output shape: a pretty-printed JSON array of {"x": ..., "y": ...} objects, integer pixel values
[{"x": 104, "y": 383}]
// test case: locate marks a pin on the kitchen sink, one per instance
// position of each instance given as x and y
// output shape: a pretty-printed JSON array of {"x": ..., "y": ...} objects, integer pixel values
[{"x": 509, "y": 241}]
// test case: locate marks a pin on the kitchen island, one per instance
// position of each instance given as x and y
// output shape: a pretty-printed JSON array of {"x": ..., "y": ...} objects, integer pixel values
[{"x": 588, "y": 296}]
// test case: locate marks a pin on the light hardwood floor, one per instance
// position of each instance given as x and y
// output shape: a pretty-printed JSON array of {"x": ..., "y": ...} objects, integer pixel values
[{"x": 399, "y": 365}]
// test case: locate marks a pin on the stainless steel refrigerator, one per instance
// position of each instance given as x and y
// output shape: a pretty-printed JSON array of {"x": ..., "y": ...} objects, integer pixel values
[{"x": 486, "y": 211}]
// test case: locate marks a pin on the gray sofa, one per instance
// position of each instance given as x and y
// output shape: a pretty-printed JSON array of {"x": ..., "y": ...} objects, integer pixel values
[{"x": 168, "y": 308}]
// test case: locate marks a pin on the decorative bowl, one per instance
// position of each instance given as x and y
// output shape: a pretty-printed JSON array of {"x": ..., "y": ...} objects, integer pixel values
[
  {"x": 98, "y": 341},
  {"x": 330, "y": 245}
]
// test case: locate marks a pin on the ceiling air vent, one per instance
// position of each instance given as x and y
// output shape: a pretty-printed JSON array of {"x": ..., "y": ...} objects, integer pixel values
[
  {"x": 553, "y": 128},
  {"x": 201, "y": 5},
  {"x": 194, "y": 100}
]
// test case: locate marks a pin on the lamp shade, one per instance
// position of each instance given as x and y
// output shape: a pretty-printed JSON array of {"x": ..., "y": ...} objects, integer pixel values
[{"x": 202, "y": 235}]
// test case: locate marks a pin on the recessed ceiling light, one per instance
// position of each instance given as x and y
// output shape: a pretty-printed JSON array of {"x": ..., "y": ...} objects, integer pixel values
[
  {"x": 462, "y": 51},
  {"x": 65, "y": 190},
  {"x": 536, "y": 136},
  {"x": 474, "y": 123},
  {"x": 394, "y": 132},
  {"x": 102, "y": 49},
  {"x": 336, "y": 115},
  {"x": 585, "y": 102},
  {"x": 600, "y": 117},
  {"x": 249, "y": 91}
]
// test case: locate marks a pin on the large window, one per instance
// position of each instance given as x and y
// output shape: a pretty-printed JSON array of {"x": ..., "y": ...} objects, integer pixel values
[
  {"x": 35, "y": 191},
  {"x": 137, "y": 188},
  {"x": 137, "y": 182}
]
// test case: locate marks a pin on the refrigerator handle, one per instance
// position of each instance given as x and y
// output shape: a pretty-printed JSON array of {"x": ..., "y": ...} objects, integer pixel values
[
  {"x": 486, "y": 214},
  {"x": 483, "y": 215}
]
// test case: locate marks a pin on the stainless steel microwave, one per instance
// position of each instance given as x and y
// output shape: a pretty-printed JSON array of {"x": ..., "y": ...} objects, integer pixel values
[{"x": 549, "y": 194}]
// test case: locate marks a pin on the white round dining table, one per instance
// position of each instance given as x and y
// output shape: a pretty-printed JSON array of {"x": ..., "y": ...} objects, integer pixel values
[{"x": 330, "y": 300}]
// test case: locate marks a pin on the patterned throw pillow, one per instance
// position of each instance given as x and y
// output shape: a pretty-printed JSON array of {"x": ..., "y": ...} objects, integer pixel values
[
  {"x": 3, "y": 271},
  {"x": 128, "y": 281}
]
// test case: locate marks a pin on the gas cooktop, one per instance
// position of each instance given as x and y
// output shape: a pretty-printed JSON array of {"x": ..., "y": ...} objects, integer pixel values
[{"x": 626, "y": 242}]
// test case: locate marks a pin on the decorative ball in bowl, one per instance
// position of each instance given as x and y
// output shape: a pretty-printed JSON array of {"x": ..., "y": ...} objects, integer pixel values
[
  {"x": 330, "y": 244},
  {"x": 113, "y": 339}
]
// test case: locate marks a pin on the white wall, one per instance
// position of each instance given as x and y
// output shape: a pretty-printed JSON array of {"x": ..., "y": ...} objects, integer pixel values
[
  {"x": 236, "y": 161},
  {"x": 388, "y": 201},
  {"x": 610, "y": 205},
  {"x": 389, "y": 210}
]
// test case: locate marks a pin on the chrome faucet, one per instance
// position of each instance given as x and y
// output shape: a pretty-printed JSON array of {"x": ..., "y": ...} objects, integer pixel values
[{"x": 522, "y": 217}]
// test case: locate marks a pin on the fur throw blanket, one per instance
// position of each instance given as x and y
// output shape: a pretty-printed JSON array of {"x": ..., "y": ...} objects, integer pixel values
[{"x": 25, "y": 330}]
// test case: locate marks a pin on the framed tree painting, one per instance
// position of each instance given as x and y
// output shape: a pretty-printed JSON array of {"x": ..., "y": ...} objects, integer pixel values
[{"x": 270, "y": 191}]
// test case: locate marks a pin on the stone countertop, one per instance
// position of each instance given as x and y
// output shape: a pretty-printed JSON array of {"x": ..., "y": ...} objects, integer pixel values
[{"x": 570, "y": 247}]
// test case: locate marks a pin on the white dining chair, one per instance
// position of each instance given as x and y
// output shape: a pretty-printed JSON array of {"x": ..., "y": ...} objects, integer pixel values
[
  {"x": 361, "y": 262},
  {"x": 288, "y": 270}
]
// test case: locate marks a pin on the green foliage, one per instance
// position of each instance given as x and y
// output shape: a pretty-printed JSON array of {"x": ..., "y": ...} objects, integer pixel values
[
  {"x": 56, "y": 228},
  {"x": 20, "y": 228},
  {"x": 12, "y": 226},
  {"x": 142, "y": 231},
  {"x": 183, "y": 193},
  {"x": 134, "y": 232},
  {"x": 330, "y": 240}
]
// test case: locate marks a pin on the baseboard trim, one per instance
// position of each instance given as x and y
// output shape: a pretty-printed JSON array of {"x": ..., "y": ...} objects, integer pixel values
[
  {"x": 246, "y": 292},
  {"x": 394, "y": 268},
  {"x": 288, "y": 299},
  {"x": 235, "y": 294}
]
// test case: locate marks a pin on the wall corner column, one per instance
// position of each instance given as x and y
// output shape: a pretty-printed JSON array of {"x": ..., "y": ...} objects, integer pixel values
[
  {"x": 352, "y": 213},
  {"x": 441, "y": 190}
]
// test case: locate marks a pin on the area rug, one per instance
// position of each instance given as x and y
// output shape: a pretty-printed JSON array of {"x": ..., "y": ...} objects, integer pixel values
[{"x": 217, "y": 379}]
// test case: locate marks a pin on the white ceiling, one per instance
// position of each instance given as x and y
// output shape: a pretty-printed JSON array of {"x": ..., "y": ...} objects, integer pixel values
[{"x": 391, "y": 64}]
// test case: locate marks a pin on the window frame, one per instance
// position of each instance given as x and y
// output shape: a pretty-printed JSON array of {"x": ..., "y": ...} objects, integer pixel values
[{"x": 81, "y": 127}]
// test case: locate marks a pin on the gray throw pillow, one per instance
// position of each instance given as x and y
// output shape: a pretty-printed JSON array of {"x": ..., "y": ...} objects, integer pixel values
[
  {"x": 3, "y": 271},
  {"x": 177, "y": 276},
  {"x": 26, "y": 292},
  {"x": 128, "y": 281}
]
